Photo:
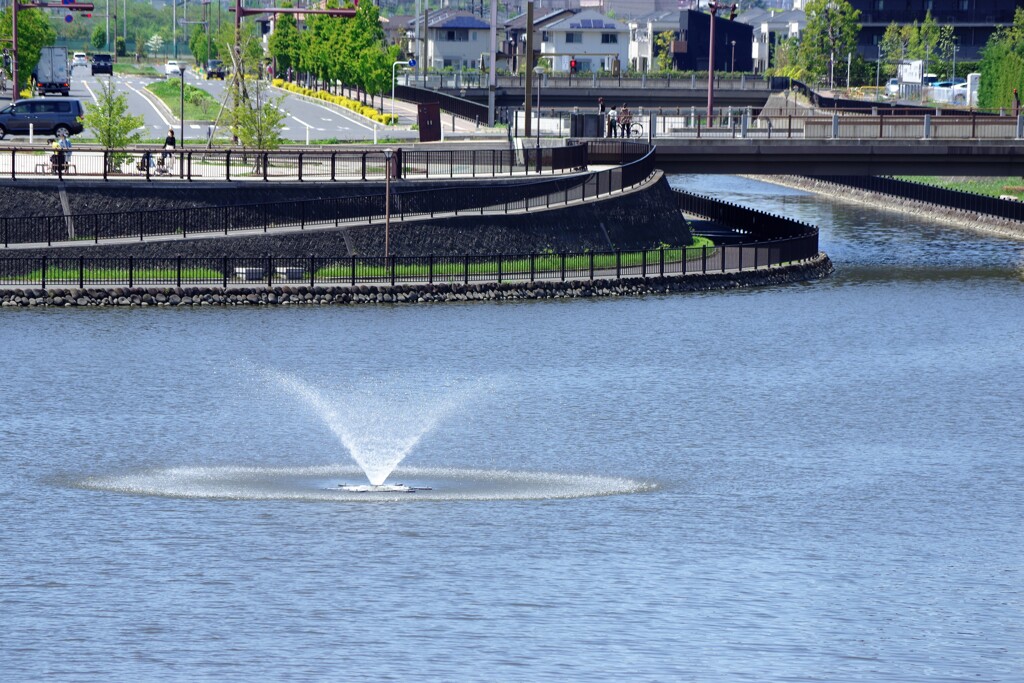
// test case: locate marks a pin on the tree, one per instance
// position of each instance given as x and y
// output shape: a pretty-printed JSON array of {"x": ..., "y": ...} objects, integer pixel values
[
  {"x": 120, "y": 46},
  {"x": 663, "y": 43},
  {"x": 1002, "y": 65},
  {"x": 140, "y": 46},
  {"x": 786, "y": 60},
  {"x": 257, "y": 119},
  {"x": 114, "y": 127},
  {"x": 830, "y": 34},
  {"x": 155, "y": 44},
  {"x": 98, "y": 40},
  {"x": 197, "y": 46},
  {"x": 34, "y": 33},
  {"x": 285, "y": 43}
]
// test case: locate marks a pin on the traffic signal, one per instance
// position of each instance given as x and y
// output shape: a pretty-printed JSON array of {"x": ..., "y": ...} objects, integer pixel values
[{"x": 572, "y": 66}]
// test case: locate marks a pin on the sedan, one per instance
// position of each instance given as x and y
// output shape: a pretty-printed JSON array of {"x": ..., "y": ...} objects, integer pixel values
[{"x": 172, "y": 68}]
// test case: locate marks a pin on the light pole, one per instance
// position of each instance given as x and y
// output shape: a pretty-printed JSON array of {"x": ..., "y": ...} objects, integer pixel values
[
  {"x": 732, "y": 67},
  {"x": 955, "y": 48},
  {"x": 182, "y": 72},
  {"x": 539, "y": 71},
  {"x": 849, "y": 64},
  {"x": 388, "y": 153},
  {"x": 411, "y": 62},
  {"x": 878, "y": 72}
]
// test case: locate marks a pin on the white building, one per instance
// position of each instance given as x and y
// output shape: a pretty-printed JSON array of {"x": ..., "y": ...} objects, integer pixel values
[
  {"x": 770, "y": 28},
  {"x": 455, "y": 39},
  {"x": 592, "y": 39},
  {"x": 642, "y": 34}
]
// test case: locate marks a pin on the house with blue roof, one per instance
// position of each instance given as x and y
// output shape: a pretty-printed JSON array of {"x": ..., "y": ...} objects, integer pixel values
[{"x": 455, "y": 39}]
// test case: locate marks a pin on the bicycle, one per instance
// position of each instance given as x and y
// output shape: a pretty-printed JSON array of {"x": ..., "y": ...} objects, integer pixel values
[{"x": 633, "y": 130}]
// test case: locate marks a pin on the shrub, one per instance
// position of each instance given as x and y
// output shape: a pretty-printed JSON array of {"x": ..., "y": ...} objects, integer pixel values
[{"x": 341, "y": 101}]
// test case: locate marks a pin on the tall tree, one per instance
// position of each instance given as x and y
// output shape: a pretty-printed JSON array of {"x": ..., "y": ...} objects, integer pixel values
[
  {"x": 285, "y": 43},
  {"x": 1002, "y": 65},
  {"x": 109, "y": 120},
  {"x": 830, "y": 34},
  {"x": 34, "y": 33},
  {"x": 663, "y": 44}
]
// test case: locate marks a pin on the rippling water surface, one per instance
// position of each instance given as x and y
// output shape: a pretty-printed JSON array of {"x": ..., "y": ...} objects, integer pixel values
[{"x": 812, "y": 482}]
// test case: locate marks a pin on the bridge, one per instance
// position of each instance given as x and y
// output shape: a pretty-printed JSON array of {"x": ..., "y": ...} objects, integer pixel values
[{"x": 842, "y": 157}]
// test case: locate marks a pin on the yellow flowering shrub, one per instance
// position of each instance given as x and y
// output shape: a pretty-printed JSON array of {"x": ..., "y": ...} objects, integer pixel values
[{"x": 339, "y": 100}]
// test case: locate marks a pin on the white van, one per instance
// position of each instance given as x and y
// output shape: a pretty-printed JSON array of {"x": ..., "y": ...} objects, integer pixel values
[{"x": 79, "y": 59}]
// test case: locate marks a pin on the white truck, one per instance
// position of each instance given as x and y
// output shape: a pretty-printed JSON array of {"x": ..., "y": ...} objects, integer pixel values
[{"x": 51, "y": 74}]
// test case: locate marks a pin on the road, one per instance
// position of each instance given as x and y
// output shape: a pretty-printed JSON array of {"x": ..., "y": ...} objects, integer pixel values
[{"x": 304, "y": 120}]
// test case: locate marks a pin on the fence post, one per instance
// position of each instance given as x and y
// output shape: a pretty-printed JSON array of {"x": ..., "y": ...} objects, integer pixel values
[
  {"x": 300, "y": 167},
  {"x": 264, "y": 162},
  {"x": 430, "y": 269},
  {"x": 643, "y": 263},
  {"x": 270, "y": 270},
  {"x": 927, "y": 126},
  {"x": 81, "y": 272},
  {"x": 312, "y": 268},
  {"x": 393, "y": 259},
  {"x": 353, "y": 271},
  {"x": 190, "y": 166},
  {"x": 14, "y": 164},
  {"x": 224, "y": 270},
  {"x": 465, "y": 269},
  {"x": 661, "y": 262},
  {"x": 105, "y": 157},
  {"x": 499, "y": 268},
  {"x": 227, "y": 166},
  {"x": 704, "y": 258},
  {"x": 43, "y": 284},
  {"x": 533, "y": 264},
  {"x": 618, "y": 264},
  {"x": 333, "y": 159},
  {"x": 562, "y": 270},
  {"x": 178, "y": 278},
  {"x": 1020, "y": 126},
  {"x": 131, "y": 272}
]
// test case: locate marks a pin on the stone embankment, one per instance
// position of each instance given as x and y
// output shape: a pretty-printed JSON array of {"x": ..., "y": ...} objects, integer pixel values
[
  {"x": 817, "y": 268},
  {"x": 970, "y": 220}
]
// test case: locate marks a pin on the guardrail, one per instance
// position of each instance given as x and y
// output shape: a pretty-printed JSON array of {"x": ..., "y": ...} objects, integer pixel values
[
  {"x": 964, "y": 201},
  {"x": 317, "y": 166},
  {"x": 690, "y": 81},
  {"x": 501, "y": 198}
]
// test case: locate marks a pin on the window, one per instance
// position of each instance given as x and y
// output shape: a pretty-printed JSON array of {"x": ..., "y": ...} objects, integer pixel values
[
  {"x": 879, "y": 4},
  {"x": 459, "y": 35},
  {"x": 544, "y": 37},
  {"x": 573, "y": 37},
  {"x": 607, "y": 38}
]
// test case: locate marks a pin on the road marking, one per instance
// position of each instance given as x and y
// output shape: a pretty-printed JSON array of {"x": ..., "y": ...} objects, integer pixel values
[
  {"x": 193, "y": 126},
  {"x": 301, "y": 121},
  {"x": 150, "y": 103},
  {"x": 339, "y": 114},
  {"x": 91, "y": 93}
]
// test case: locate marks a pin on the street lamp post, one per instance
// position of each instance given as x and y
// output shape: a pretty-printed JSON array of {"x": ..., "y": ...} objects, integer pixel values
[
  {"x": 388, "y": 153},
  {"x": 411, "y": 62},
  {"x": 732, "y": 68},
  {"x": 182, "y": 72},
  {"x": 539, "y": 71},
  {"x": 878, "y": 72}
]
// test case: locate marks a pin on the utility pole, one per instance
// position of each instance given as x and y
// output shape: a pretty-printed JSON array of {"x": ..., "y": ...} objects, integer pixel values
[
  {"x": 528, "y": 103},
  {"x": 492, "y": 81},
  {"x": 174, "y": 26}
]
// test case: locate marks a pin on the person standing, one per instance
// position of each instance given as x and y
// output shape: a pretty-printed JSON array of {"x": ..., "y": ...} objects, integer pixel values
[
  {"x": 613, "y": 123},
  {"x": 625, "y": 120},
  {"x": 65, "y": 145}
]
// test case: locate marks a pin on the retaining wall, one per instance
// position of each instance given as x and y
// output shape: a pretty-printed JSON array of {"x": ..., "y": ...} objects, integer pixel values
[
  {"x": 645, "y": 218},
  {"x": 933, "y": 212}
]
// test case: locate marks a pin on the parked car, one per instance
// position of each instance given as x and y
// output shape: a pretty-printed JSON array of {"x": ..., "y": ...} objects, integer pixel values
[
  {"x": 172, "y": 68},
  {"x": 46, "y": 115},
  {"x": 215, "y": 69},
  {"x": 892, "y": 88},
  {"x": 79, "y": 59},
  {"x": 102, "y": 64},
  {"x": 960, "y": 93}
]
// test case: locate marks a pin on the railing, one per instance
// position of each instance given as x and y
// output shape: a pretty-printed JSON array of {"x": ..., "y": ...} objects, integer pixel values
[
  {"x": 691, "y": 81},
  {"x": 503, "y": 198},
  {"x": 318, "y": 166},
  {"x": 466, "y": 109},
  {"x": 225, "y": 271},
  {"x": 964, "y": 201}
]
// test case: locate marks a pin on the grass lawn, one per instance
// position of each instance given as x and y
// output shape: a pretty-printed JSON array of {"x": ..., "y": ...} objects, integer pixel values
[
  {"x": 56, "y": 274},
  {"x": 992, "y": 187},
  {"x": 199, "y": 104},
  {"x": 137, "y": 69}
]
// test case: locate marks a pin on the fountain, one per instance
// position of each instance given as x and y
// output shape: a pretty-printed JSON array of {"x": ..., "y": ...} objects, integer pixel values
[{"x": 379, "y": 426}]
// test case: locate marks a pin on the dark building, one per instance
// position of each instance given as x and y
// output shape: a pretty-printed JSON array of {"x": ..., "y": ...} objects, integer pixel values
[
  {"x": 973, "y": 21},
  {"x": 691, "y": 50}
]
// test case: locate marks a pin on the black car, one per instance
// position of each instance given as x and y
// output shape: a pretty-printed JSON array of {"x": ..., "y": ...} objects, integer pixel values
[
  {"x": 102, "y": 64},
  {"x": 215, "y": 69},
  {"x": 47, "y": 115}
]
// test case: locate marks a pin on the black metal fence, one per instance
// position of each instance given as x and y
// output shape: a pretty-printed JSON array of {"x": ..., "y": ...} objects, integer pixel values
[
  {"x": 317, "y": 166},
  {"x": 502, "y": 198},
  {"x": 461, "y": 107},
  {"x": 964, "y": 201}
]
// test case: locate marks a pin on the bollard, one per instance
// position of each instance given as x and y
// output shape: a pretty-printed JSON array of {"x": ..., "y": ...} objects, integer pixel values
[
  {"x": 375, "y": 133},
  {"x": 31, "y": 132},
  {"x": 693, "y": 116},
  {"x": 307, "y": 136}
]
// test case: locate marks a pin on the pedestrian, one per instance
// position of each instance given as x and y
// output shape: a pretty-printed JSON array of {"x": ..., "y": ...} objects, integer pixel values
[
  {"x": 56, "y": 156},
  {"x": 625, "y": 119},
  {"x": 613, "y": 123},
  {"x": 64, "y": 142},
  {"x": 600, "y": 106}
]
